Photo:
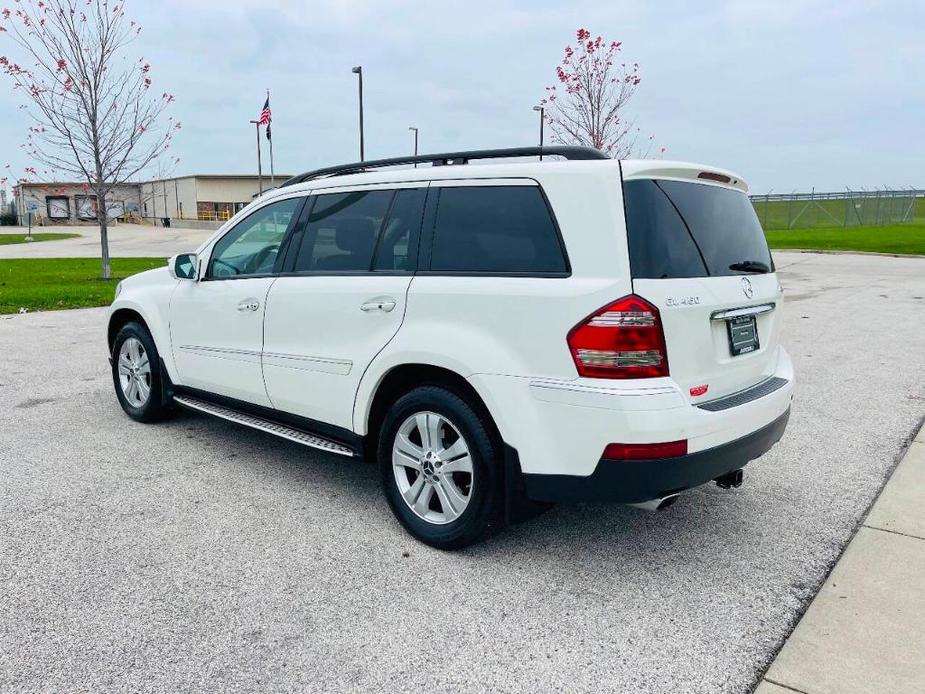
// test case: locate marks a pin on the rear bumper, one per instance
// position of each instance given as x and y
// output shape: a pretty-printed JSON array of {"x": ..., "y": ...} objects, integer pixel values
[
  {"x": 561, "y": 428},
  {"x": 633, "y": 481}
]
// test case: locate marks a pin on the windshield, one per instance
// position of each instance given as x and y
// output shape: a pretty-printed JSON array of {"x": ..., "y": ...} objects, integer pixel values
[{"x": 678, "y": 229}]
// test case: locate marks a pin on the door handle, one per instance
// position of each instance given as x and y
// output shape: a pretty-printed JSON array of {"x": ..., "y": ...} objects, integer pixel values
[
  {"x": 382, "y": 303},
  {"x": 249, "y": 305}
]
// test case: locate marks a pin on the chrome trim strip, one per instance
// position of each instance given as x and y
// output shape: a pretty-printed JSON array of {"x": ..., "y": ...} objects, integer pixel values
[
  {"x": 744, "y": 311},
  {"x": 243, "y": 356},
  {"x": 569, "y": 386},
  {"x": 281, "y": 430},
  {"x": 219, "y": 350},
  {"x": 303, "y": 362},
  {"x": 623, "y": 319},
  {"x": 341, "y": 367}
]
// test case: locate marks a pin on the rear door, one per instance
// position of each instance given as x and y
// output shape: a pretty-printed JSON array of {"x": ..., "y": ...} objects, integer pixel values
[
  {"x": 698, "y": 253},
  {"x": 342, "y": 297}
]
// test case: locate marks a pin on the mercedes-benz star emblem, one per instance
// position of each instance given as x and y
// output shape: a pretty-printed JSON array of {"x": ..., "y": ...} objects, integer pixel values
[{"x": 747, "y": 288}]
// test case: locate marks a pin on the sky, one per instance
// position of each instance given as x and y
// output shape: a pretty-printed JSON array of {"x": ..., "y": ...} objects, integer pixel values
[{"x": 789, "y": 95}]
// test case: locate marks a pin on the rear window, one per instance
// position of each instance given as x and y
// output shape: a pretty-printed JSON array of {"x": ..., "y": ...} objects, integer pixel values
[
  {"x": 680, "y": 229},
  {"x": 496, "y": 229}
]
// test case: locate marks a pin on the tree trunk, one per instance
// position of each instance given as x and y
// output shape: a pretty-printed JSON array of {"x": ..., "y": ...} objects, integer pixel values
[
  {"x": 102, "y": 218},
  {"x": 104, "y": 242}
]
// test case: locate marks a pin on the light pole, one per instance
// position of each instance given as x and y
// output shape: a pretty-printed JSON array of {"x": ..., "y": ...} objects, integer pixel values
[
  {"x": 358, "y": 70},
  {"x": 259, "y": 166},
  {"x": 411, "y": 127},
  {"x": 542, "y": 113}
]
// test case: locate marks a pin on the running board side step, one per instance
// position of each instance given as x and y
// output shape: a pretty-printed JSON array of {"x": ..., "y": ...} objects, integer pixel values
[{"x": 261, "y": 424}]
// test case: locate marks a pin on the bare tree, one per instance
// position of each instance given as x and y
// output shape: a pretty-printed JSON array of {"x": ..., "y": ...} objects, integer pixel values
[
  {"x": 95, "y": 113},
  {"x": 587, "y": 106}
]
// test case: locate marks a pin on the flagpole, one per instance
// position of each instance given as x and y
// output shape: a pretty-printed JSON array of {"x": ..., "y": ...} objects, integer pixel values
[
  {"x": 259, "y": 168},
  {"x": 272, "y": 173}
]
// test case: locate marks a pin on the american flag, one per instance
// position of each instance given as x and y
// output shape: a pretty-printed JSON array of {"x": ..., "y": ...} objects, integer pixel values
[{"x": 266, "y": 116}]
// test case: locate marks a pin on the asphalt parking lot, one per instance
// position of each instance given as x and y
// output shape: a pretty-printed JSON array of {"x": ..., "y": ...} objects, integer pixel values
[{"x": 199, "y": 556}]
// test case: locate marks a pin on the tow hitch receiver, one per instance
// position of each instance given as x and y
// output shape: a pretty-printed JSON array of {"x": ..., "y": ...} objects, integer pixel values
[{"x": 730, "y": 480}]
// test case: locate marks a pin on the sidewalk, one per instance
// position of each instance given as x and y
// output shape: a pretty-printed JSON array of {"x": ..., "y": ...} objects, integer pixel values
[
  {"x": 125, "y": 241},
  {"x": 865, "y": 629}
]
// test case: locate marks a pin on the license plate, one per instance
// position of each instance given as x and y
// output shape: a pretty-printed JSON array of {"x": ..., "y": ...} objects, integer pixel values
[{"x": 743, "y": 335}]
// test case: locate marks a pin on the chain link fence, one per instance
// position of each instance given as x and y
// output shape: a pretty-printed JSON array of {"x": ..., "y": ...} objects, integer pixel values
[{"x": 848, "y": 209}]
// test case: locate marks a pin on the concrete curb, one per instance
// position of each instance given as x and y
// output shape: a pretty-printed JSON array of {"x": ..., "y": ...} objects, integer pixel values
[
  {"x": 836, "y": 251},
  {"x": 865, "y": 629}
]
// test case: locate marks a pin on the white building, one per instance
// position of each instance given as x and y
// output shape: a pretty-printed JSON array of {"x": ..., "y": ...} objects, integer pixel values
[
  {"x": 204, "y": 197},
  {"x": 201, "y": 200}
]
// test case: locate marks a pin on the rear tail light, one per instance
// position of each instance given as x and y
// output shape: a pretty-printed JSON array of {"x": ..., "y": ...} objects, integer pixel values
[
  {"x": 622, "y": 340},
  {"x": 645, "y": 451}
]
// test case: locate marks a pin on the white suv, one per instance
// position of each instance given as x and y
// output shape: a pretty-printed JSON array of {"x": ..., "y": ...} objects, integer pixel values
[{"x": 586, "y": 329}]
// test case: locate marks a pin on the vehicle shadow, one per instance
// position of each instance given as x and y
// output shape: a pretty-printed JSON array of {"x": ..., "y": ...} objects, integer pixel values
[{"x": 701, "y": 516}]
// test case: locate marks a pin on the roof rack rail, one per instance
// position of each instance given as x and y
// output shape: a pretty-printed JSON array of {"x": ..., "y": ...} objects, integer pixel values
[{"x": 450, "y": 158}]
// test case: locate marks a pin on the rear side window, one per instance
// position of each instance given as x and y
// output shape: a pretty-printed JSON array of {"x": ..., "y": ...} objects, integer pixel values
[
  {"x": 495, "y": 229},
  {"x": 342, "y": 230},
  {"x": 397, "y": 249},
  {"x": 678, "y": 229}
]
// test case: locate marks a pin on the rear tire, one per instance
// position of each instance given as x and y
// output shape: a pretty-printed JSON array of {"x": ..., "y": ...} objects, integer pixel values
[
  {"x": 440, "y": 468},
  {"x": 136, "y": 374}
]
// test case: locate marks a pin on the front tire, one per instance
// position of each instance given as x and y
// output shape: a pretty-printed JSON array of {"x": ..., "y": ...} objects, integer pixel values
[
  {"x": 440, "y": 468},
  {"x": 136, "y": 374}
]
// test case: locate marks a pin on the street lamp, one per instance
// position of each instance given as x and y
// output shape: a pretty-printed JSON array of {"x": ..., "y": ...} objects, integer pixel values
[
  {"x": 542, "y": 112},
  {"x": 411, "y": 127},
  {"x": 358, "y": 70}
]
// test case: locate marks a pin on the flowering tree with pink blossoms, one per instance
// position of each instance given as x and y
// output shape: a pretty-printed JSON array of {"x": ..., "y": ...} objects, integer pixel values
[
  {"x": 587, "y": 104},
  {"x": 94, "y": 111}
]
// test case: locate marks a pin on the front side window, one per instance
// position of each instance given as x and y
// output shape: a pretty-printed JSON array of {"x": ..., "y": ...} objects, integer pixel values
[
  {"x": 341, "y": 232},
  {"x": 495, "y": 229},
  {"x": 251, "y": 246}
]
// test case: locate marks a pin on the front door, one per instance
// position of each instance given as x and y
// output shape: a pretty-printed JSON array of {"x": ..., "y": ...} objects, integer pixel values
[
  {"x": 343, "y": 300},
  {"x": 216, "y": 323}
]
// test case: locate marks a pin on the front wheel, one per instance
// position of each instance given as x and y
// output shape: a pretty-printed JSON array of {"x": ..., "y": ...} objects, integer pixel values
[
  {"x": 440, "y": 468},
  {"x": 136, "y": 374}
]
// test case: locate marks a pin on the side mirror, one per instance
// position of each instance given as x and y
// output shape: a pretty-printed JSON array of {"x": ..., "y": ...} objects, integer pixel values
[{"x": 184, "y": 266}]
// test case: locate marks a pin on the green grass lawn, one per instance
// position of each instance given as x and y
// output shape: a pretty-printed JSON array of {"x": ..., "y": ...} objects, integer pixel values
[
  {"x": 825, "y": 214},
  {"x": 6, "y": 239},
  {"x": 907, "y": 239},
  {"x": 47, "y": 284}
]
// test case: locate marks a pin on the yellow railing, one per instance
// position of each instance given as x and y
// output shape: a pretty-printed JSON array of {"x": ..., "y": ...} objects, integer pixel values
[{"x": 214, "y": 215}]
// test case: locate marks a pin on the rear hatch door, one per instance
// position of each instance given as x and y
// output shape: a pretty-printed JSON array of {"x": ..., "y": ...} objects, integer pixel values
[{"x": 698, "y": 253}]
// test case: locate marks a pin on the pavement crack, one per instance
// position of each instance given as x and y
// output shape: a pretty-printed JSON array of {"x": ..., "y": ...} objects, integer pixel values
[
  {"x": 784, "y": 686},
  {"x": 892, "y": 532}
]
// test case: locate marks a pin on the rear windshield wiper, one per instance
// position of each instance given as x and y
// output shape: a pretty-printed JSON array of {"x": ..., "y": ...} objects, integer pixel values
[{"x": 751, "y": 266}]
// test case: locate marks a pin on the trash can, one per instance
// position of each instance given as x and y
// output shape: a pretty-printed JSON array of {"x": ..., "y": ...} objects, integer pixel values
[{"x": 165, "y": 221}]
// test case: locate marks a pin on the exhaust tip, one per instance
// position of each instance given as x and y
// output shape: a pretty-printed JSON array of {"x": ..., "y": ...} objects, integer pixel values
[
  {"x": 659, "y": 504},
  {"x": 668, "y": 501}
]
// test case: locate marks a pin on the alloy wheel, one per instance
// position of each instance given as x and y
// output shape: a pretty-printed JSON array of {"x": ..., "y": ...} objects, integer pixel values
[
  {"x": 433, "y": 467},
  {"x": 134, "y": 372}
]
